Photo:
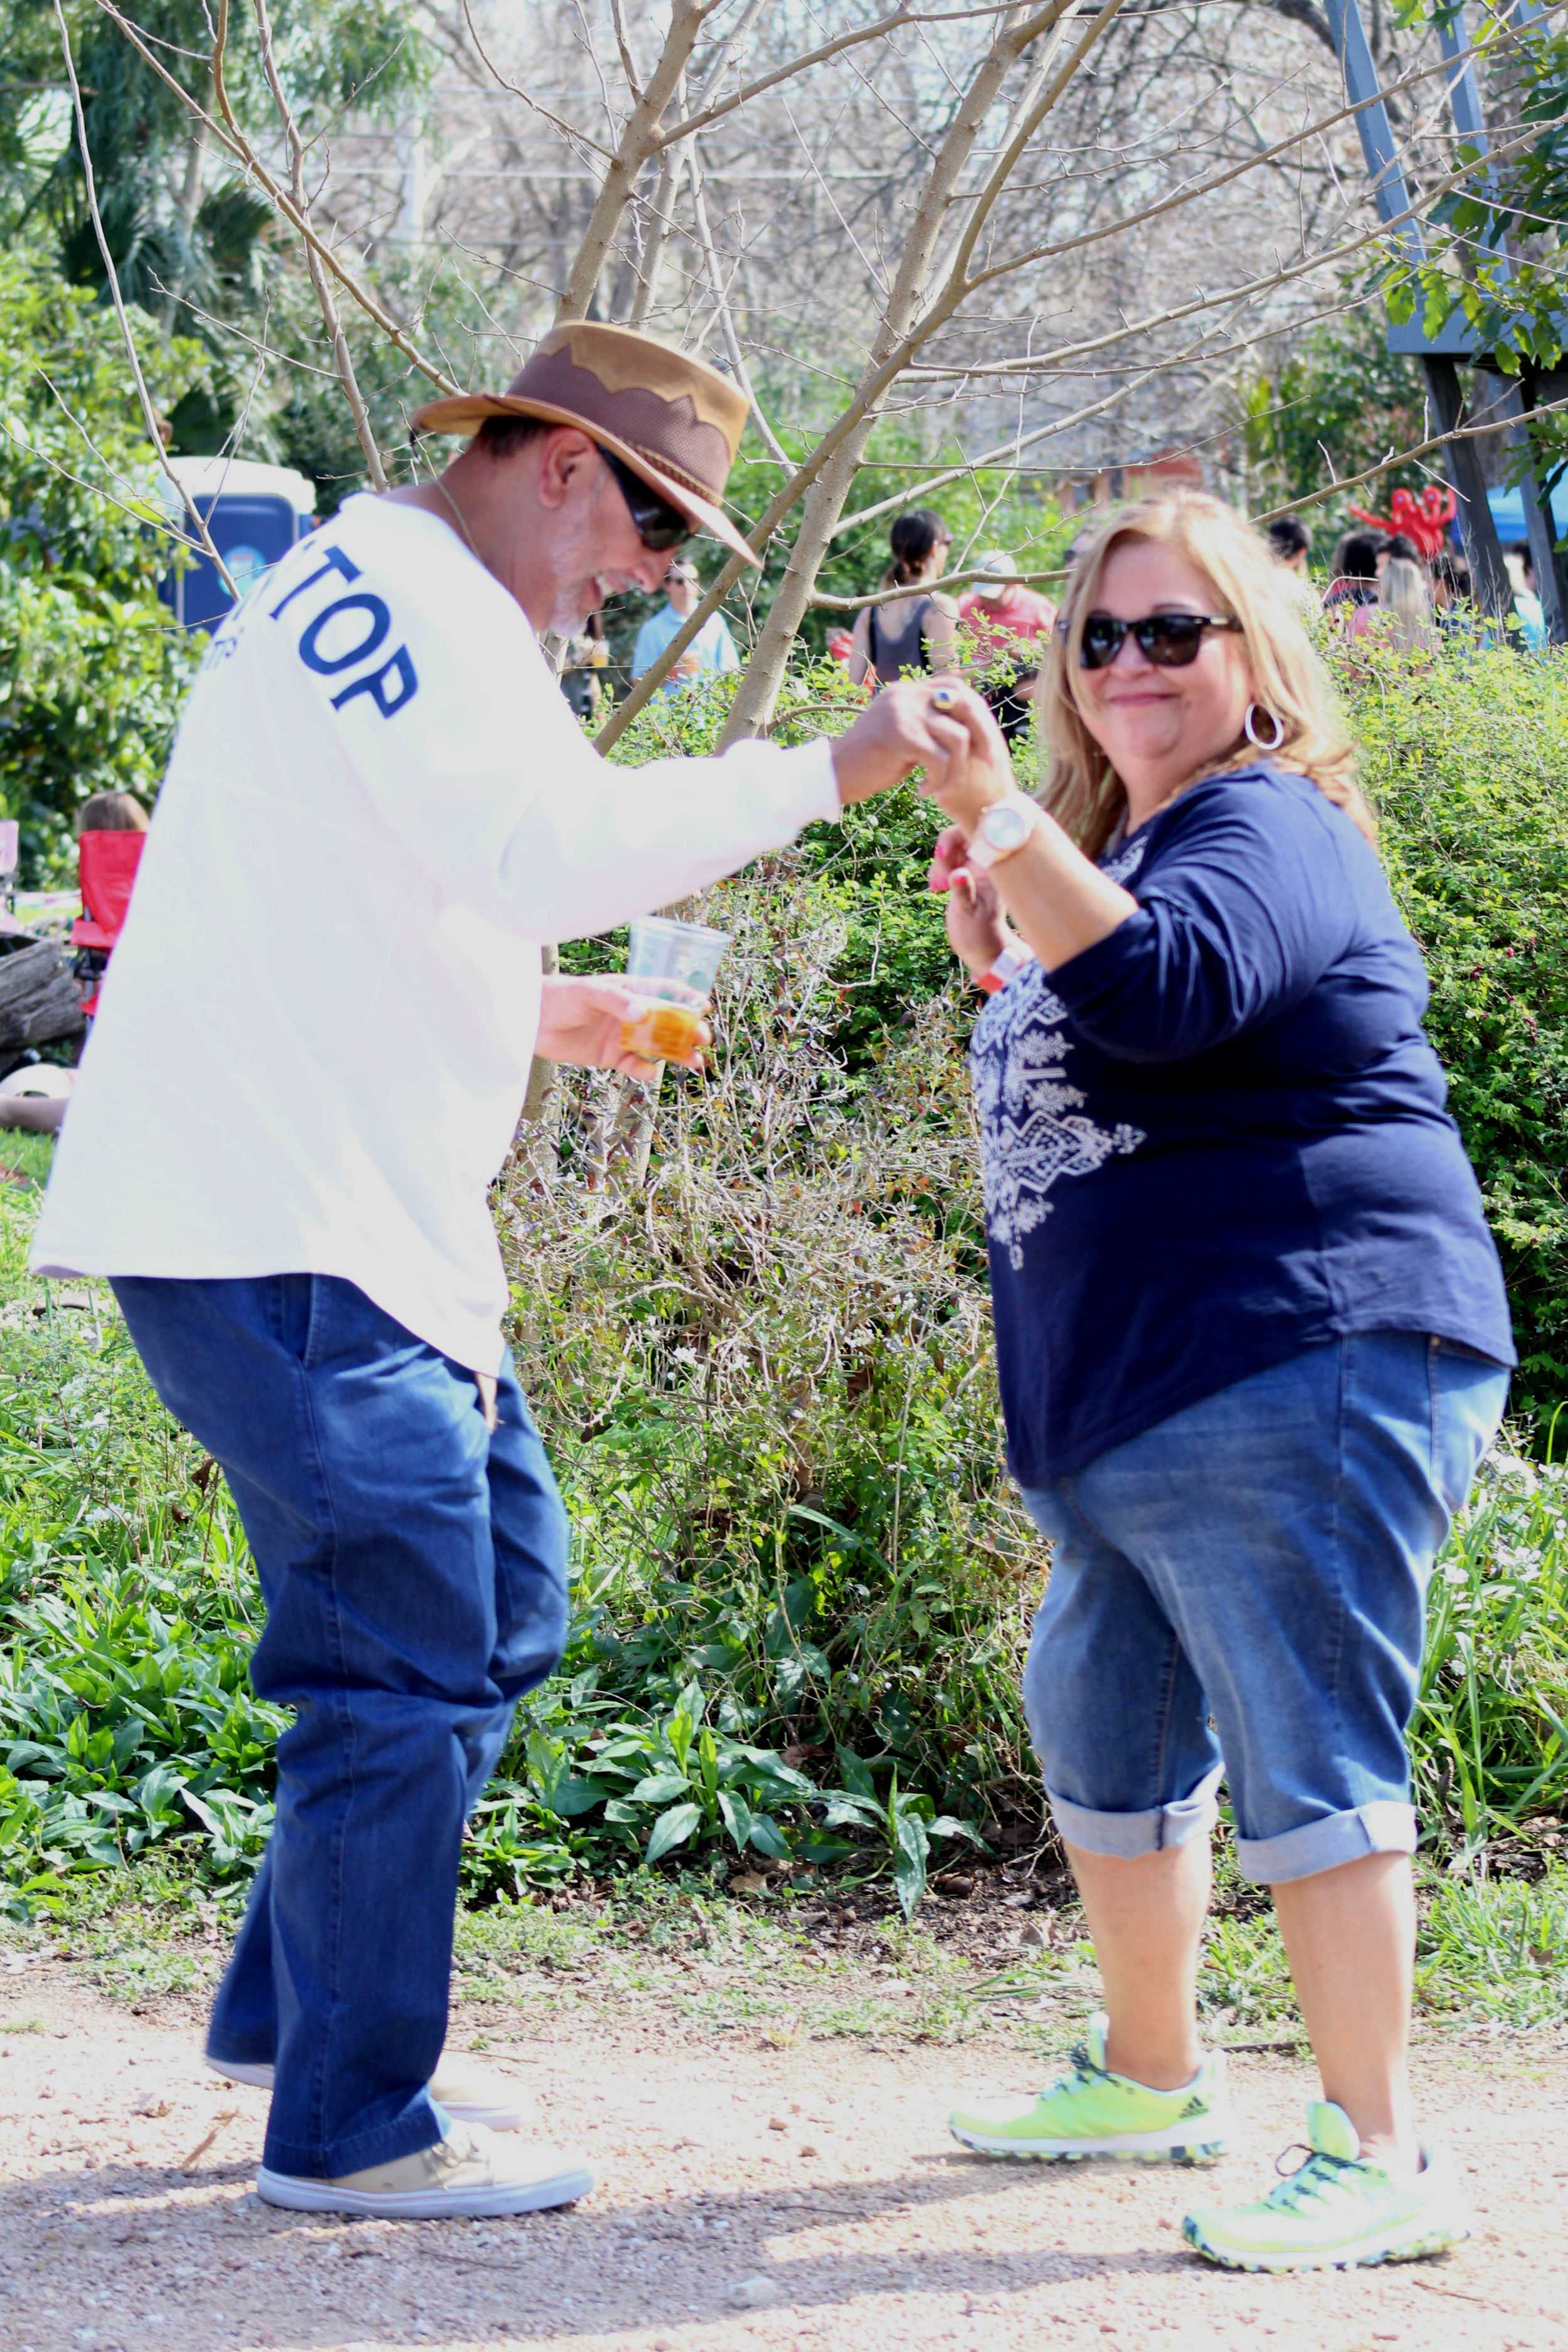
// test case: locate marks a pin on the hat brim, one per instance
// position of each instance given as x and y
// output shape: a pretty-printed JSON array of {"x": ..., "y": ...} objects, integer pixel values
[{"x": 466, "y": 412}]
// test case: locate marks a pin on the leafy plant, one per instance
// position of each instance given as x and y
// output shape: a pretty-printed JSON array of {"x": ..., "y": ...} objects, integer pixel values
[
  {"x": 802, "y": 1581},
  {"x": 1464, "y": 758},
  {"x": 1492, "y": 1722},
  {"x": 91, "y": 666}
]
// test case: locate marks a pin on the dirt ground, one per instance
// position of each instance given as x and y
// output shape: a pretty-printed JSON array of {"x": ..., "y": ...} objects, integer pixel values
[{"x": 752, "y": 2198}]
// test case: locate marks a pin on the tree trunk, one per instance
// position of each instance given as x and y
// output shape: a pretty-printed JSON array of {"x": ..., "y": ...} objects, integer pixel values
[
  {"x": 40, "y": 998},
  {"x": 911, "y": 310},
  {"x": 820, "y": 510}
]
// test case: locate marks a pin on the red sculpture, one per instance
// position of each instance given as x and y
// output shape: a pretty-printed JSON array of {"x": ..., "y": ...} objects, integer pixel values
[{"x": 1423, "y": 521}]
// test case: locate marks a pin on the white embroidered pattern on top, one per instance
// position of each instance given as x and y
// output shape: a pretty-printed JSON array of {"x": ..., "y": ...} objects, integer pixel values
[{"x": 1032, "y": 1130}]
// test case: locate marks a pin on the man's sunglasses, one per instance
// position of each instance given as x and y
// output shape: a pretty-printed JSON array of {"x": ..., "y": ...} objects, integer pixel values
[
  {"x": 1170, "y": 640},
  {"x": 659, "y": 525}
]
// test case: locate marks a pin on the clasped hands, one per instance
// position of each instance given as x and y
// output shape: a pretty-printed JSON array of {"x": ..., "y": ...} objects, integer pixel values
[
  {"x": 967, "y": 768},
  {"x": 942, "y": 725}
]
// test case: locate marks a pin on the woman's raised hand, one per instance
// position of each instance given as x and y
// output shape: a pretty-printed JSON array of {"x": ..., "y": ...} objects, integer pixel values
[
  {"x": 974, "y": 769},
  {"x": 976, "y": 931}
]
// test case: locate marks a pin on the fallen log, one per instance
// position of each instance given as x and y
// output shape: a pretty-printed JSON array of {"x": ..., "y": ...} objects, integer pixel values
[{"x": 40, "y": 998}]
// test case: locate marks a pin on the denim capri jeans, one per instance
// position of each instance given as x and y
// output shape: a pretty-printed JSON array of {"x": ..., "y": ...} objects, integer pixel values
[{"x": 1240, "y": 1590}]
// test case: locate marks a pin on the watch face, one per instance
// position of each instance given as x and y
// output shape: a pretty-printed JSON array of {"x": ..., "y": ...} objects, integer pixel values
[{"x": 1004, "y": 827}]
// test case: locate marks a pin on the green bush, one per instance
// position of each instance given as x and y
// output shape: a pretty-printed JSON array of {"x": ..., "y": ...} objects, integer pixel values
[
  {"x": 802, "y": 1580},
  {"x": 92, "y": 668},
  {"x": 766, "y": 1382},
  {"x": 1466, "y": 759}
]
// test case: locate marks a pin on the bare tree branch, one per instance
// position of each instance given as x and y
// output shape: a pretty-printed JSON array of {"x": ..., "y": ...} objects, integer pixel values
[
  {"x": 341, "y": 356},
  {"x": 148, "y": 413},
  {"x": 557, "y": 122},
  {"x": 230, "y": 135},
  {"x": 877, "y": 30}
]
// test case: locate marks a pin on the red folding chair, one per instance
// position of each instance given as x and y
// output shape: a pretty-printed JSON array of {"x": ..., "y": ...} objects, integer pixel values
[{"x": 106, "y": 863}]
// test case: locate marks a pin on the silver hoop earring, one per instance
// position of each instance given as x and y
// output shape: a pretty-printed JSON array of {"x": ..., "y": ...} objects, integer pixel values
[{"x": 1249, "y": 727}]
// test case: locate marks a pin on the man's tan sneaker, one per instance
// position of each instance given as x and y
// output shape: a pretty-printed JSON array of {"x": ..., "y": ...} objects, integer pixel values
[
  {"x": 473, "y": 2171},
  {"x": 469, "y": 2093}
]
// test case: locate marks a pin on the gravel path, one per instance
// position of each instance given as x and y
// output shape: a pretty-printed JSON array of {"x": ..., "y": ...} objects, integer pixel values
[{"x": 754, "y": 2200}]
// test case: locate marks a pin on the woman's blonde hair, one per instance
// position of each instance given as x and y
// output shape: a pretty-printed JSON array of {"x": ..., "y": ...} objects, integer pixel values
[
  {"x": 1403, "y": 594},
  {"x": 1082, "y": 789}
]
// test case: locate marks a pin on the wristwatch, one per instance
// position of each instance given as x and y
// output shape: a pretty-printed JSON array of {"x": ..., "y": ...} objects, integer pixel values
[
  {"x": 1008, "y": 964},
  {"x": 1006, "y": 826}
]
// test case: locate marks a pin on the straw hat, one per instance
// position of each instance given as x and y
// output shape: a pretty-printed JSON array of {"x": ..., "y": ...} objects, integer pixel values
[{"x": 674, "y": 420}]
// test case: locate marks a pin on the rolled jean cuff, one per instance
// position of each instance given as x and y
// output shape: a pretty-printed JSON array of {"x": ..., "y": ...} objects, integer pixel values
[
  {"x": 1129, "y": 1836},
  {"x": 422, "y": 2124},
  {"x": 1382, "y": 1827}
]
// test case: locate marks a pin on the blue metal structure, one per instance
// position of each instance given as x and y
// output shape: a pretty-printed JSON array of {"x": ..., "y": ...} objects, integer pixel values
[{"x": 1442, "y": 353}]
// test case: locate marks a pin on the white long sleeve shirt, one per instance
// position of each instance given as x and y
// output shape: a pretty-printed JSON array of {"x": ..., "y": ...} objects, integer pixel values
[{"x": 316, "y": 1029}]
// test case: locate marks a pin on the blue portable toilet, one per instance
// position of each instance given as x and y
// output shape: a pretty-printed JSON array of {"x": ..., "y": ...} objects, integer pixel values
[
  {"x": 254, "y": 513},
  {"x": 1508, "y": 514}
]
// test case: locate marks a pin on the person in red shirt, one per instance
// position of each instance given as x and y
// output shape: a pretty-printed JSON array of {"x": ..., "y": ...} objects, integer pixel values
[
  {"x": 1001, "y": 621},
  {"x": 35, "y": 1097}
]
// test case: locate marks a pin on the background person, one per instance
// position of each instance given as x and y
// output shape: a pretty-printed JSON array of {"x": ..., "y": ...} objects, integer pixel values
[
  {"x": 1530, "y": 616},
  {"x": 916, "y": 628},
  {"x": 1353, "y": 575},
  {"x": 583, "y": 673},
  {"x": 37, "y": 1099},
  {"x": 1403, "y": 613},
  {"x": 712, "y": 651},
  {"x": 111, "y": 812},
  {"x": 1251, "y": 1337},
  {"x": 1004, "y": 622},
  {"x": 1451, "y": 589},
  {"x": 379, "y": 807},
  {"x": 1290, "y": 544}
]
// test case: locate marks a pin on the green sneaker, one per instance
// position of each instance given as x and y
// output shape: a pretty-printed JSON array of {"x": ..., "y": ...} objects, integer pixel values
[
  {"x": 1338, "y": 2211},
  {"x": 1092, "y": 2112}
]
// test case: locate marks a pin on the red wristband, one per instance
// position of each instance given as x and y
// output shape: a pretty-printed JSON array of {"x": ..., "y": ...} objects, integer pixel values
[{"x": 988, "y": 982}]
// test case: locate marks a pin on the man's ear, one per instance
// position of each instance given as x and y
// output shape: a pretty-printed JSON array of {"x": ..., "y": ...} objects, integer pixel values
[{"x": 567, "y": 460}]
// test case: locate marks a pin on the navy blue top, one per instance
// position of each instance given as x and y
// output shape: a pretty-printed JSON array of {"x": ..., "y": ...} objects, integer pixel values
[{"x": 1220, "y": 1135}]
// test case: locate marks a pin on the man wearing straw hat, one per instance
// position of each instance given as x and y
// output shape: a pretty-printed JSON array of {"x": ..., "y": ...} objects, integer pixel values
[{"x": 378, "y": 808}]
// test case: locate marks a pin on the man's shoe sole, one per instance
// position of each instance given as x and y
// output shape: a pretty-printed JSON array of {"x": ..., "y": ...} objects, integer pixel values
[
  {"x": 235, "y": 2070},
  {"x": 1364, "y": 2253},
  {"x": 259, "y": 2078},
  {"x": 1129, "y": 2148},
  {"x": 303, "y": 2196}
]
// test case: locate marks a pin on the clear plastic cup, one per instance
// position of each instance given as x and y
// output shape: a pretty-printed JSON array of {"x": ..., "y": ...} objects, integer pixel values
[{"x": 678, "y": 961}]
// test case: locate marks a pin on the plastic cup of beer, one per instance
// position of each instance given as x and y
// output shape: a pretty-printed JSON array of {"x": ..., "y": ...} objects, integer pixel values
[{"x": 677, "y": 963}]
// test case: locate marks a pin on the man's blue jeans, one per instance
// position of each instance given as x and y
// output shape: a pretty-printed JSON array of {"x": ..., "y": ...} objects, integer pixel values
[{"x": 414, "y": 1568}]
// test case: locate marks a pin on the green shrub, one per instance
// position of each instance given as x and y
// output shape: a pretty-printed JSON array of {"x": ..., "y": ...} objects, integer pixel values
[
  {"x": 92, "y": 668},
  {"x": 1466, "y": 759},
  {"x": 802, "y": 1580},
  {"x": 766, "y": 1383}
]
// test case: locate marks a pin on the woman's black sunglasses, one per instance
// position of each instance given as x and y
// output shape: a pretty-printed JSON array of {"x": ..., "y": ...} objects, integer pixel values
[
  {"x": 659, "y": 525},
  {"x": 1170, "y": 640}
]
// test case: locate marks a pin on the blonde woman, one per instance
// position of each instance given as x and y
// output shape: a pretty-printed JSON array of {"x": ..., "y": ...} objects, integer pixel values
[
  {"x": 1403, "y": 594},
  {"x": 1252, "y": 1340}
]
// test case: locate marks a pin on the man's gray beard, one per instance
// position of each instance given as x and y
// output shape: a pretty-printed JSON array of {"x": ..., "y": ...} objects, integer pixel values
[{"x": 566, "y": 623}]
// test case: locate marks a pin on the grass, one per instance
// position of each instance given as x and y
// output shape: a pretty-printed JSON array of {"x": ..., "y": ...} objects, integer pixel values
[
  {"x": 1492, "y": 1953},
  {"x": 27, "y": 1155},
  {"x": 134, "y": 1766}
]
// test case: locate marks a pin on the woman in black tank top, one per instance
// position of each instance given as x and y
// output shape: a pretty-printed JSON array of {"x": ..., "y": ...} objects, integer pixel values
[{"x": 914, "y": 630}]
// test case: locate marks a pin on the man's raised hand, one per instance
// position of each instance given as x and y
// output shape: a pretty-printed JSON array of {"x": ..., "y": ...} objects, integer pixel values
[{"x": 892, "y": 737}]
